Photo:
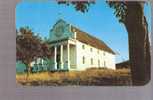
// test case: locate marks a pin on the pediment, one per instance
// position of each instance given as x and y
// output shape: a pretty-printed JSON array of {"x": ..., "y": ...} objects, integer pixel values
[{"x": 60, "y": 30}]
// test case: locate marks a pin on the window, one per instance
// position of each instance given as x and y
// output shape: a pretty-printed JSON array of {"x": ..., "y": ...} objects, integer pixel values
[
  {"x": 91, "y": 49},
  {"x": 98, "y": 63},
  {"x": 104, "y": 64},
  {"x": 104, "y": 54},
  {"x": 98, "y": 51},
  {"x": 91, "y": 61},
  {"x": 83, "y": 46},
  {"x": 83, "y": 60}
]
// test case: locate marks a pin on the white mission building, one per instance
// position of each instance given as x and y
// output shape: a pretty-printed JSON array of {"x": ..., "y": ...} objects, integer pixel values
[{"x": 74, "y": 49}]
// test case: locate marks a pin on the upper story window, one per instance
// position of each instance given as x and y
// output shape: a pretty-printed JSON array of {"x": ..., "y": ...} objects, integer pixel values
[
  {"x": 83, "y": 46},
  {"x": 104, "y": 53},
  {"x": 83, "y": 60},
  {"x": 98, "y": 51},
  {"x": 91, "y": 49}
]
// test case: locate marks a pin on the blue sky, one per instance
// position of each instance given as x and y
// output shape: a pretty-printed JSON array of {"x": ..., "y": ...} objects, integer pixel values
[{"x": 99, "y": 21}]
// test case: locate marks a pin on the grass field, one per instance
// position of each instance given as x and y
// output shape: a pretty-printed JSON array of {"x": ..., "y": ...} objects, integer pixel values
[{"x": 90, "y": 77}]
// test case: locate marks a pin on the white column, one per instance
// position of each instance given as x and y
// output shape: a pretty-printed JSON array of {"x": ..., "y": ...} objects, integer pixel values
[
  {"x": 68, "y": 56},
  {"x": 75, "y": 34},
  {"x": 42, "y": 65},
  {"x": 61, "y": 56},
  {"x": 55, "y": 53}
]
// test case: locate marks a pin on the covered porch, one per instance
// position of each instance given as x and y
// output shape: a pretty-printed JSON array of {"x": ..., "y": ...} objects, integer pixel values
[{"x": 64, "y": 55}]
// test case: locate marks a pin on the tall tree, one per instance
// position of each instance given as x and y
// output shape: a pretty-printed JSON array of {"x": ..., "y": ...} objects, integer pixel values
[
  {"x": 131, "y": 14},
  {"x": 30, "y": 47}
]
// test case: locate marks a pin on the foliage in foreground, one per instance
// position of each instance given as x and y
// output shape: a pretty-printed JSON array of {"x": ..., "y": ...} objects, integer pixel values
[
  {"x": 131, "y": 14},
  {"x": 30, "y": 47},
  {"x": 91, "y": 77}
]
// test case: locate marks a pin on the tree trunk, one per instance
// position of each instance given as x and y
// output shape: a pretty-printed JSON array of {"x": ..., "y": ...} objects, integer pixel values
[
  {"x": 139, "y": 46},
  {"x": 28, "y": 71}
]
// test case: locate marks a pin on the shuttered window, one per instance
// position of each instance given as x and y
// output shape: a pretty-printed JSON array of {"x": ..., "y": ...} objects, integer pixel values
[
  {"x": 91, "y": 61},
  {"x": 83, "y": 60}
]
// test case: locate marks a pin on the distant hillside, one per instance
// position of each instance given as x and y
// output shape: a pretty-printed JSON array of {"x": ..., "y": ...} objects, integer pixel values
[{"x": 125, "y": 64}]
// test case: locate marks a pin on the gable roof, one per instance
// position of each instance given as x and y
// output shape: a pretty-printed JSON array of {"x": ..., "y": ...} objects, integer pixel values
[{"x": 91, "y": 40}]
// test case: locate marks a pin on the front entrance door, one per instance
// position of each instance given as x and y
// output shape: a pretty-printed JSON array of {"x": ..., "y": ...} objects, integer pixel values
[{"x": 58, "y": 61}]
